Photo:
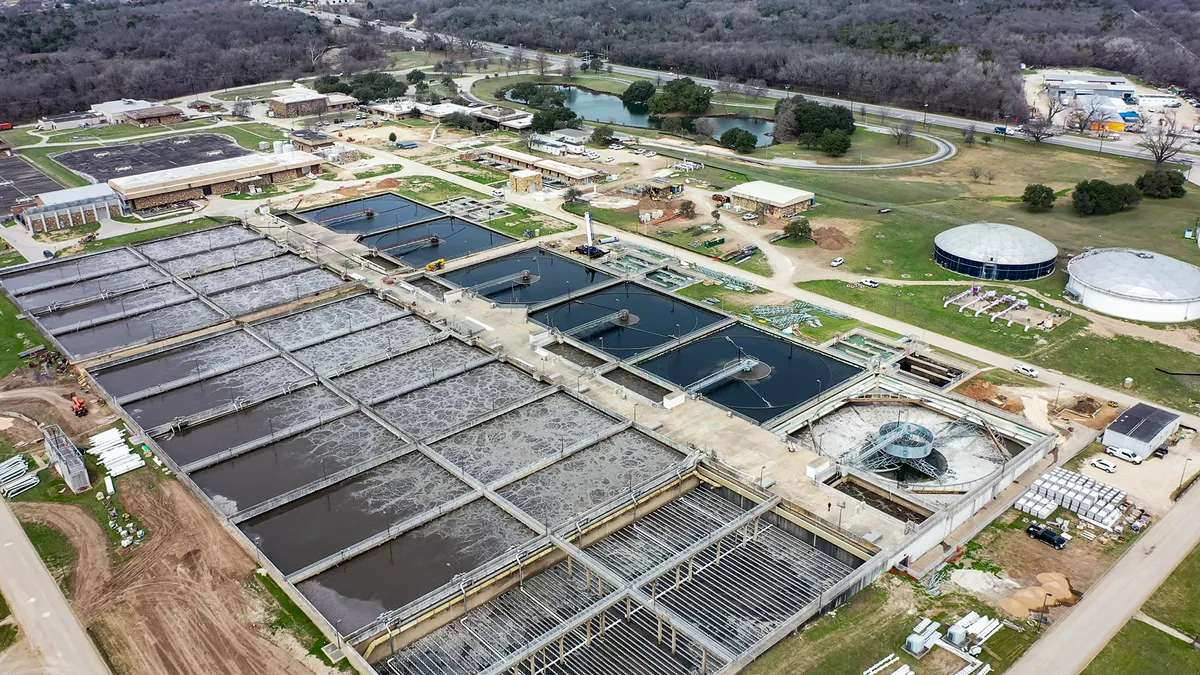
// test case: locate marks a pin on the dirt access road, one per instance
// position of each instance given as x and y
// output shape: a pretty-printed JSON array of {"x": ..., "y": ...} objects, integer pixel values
[{"x": 180, "y": 604}]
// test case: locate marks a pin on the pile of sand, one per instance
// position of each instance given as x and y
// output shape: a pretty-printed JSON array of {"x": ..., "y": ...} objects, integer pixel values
[
  {"x": 831, "y": 238},
  {"x": 387, "y": 184},
  {"x": 1054, "y": 590},
  {"x": 983, "y": 584}
]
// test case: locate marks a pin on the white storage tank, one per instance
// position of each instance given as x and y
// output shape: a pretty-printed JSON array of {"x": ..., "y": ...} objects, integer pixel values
[
  {"x": 278, "y": 147},
  {"x": 1135, "y": 284}
]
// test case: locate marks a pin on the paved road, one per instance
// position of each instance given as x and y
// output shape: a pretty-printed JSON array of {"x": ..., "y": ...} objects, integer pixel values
[
  {"x": 1071, "y": 644},
  {"x": 46, "y": 619}
]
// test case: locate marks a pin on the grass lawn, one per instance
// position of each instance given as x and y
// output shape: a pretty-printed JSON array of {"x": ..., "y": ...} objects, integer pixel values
[
  {"x": 1002, "y": 377},
  {"x": 256, "y": 91},
  {"x": 800, "y": 242},
  {"x": 16, "y": 335},
  {"x": 10, "y": 258},
  {"x": 478, "y": 172},
  {"x": 408, "y": 60},
  {"x": 56, "y": 552},
  {"x": 4, "y": 610},
  {"x": 122, "y": 131},
  {"x": 285, "y": 615},
  {"x": 20, "y": 137},
  {"x": 1071, "y": 348},
  {"x": 72, "y": 232},
  {"x": 757, "y": 264},
  {"x": 379, "y": 171},
  {"x": 626, "y": 220},
  {"x": 40, "y": 157},
  {"x": 430, "y": 189},
  {"x": 1140, "y": 648},
  {"x": 8, "y": 636},
  {"x": 868, "y": 147},
  {"x": 250, "y": 135},
  {"x": 1176, "y": 602},
  {"x": 523, "y": 219},
  {"x": 734, "y": 302}
]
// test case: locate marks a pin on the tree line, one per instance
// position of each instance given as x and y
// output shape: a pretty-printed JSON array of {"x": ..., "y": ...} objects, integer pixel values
[
  {"x": 66, "y": 57},
  {"x": 960, "y": 57}
]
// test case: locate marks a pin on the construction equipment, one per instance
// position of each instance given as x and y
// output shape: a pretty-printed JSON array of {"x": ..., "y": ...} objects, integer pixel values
[
  {"x": 436, "y": 265},
  {"x": 79, "y": 406}
]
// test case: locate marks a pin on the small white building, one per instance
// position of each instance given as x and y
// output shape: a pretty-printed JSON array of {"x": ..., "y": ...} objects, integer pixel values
[
  {"x": 539, "y": 143},
  {"x": 115, "y": 112},
  {"x": 75, "y": 120},
  {"x": 1142, "y": 429}
]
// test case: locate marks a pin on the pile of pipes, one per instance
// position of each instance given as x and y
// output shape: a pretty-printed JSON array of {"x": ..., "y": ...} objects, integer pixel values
[
  {"x": 15, "y": 477},
  {"x": 1094, "y": 501},
  {"x": 923, "y": 637},
  {"x": 784, "y": 316},
  {"x": 112, "y": 451},
  {"x": 978, "y": 626},
  {"x": 886, "y": 663}
]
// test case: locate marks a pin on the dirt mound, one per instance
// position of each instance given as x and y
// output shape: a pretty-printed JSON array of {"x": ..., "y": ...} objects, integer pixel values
[
  {"x": 985, "y": 392},
  {"x": 180, "y": 604},
  {"x": 831, "y": 238},
  {"x": 388, "y": 184}
]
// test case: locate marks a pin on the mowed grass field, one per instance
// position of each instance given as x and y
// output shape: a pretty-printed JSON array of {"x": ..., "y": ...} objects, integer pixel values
[
  {"x": 1140, "y": 648},
  {"x": 1177, "y": 602}
]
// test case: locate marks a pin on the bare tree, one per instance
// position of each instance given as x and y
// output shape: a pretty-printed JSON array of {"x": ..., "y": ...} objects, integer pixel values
[
  {"x": 884, "y": 113},
  {"x": 241, "y": 109},
  {"x": 1091, "y": 113},
  {"x": 975, "y": 172},
  {"x": 726, "y": 85},
  {"x": 315, "y": 49},
  {"x": 862, "y": 112},
  {"x": 990, "y": 176},
  {"x": 968, "y": 135},
  {"x": 542, "y": 63},
  {"x": 1054, "y": 106},
  {"x": 756, "y": 88},
  {"x": 1163, "y": 140},
  {"x": 568, "y": 68},
  {"x": 526, "y": 139},
  {"x": 1039, "y": 128},
  {"x": 516, "y": 59},
  {"x": 902, "y": 131},
  {"x": 705, "y": 126}
]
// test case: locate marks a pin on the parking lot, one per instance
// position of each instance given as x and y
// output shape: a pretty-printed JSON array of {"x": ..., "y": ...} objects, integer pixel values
[
  {"x": 20, "y": 180},
  {"x": 102, "y": 163}
]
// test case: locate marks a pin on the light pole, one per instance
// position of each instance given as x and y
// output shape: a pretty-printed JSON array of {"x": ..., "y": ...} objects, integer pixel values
[
  {"x": 1056, "y": 393},
  {"x": 1182, "y": 475},
  {"x": 841, "y": 510},
  {"x": 926, "y": 120}
]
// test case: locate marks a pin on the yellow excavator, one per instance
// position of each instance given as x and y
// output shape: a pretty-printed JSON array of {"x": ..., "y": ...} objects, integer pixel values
[{"x": 436, "y": 265}]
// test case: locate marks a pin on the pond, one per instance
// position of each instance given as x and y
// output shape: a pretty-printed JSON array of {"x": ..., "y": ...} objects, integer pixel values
[{"x": 609, "y": 108}]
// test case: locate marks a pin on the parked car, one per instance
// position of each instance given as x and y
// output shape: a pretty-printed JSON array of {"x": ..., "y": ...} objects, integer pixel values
[
  {"x": 1027, "y": 371},
  {"x": 1047, "y": 535},
  {"x": 1121, "y": 453},
  {"x": 885, "y": 211},
  {"x": 837, "y": 262},
  {"x": 869, "y": 283},
  {"x": 750, "y": 216},
  {"x": 498, "y": 193},
  {"x": 651, "y": 153},
  {"x": 1104, "y": 465},
  {"x": 1161, "y": 452}
]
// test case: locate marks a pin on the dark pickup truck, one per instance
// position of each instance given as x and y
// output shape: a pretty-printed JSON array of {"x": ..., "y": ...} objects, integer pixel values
[{"x": 1047, "y": 535}]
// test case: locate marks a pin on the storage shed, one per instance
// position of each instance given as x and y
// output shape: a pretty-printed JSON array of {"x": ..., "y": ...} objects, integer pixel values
[{"x": 1142, "y": 429}]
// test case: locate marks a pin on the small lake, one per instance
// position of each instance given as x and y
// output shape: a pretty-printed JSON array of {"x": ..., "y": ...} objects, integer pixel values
[{"x": 609, "y": 108}]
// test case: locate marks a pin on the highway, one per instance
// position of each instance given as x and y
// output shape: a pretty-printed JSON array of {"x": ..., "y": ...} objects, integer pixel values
[
  {"x": 1126, "y": 147},
  {"x": 53, "y": 631}
]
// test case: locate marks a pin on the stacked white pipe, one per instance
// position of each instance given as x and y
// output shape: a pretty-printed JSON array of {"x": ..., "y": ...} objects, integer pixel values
[
  {"x": 1088, "y": 498},
  {"x": 15, "y": 477},
  {"x": 112, "y": 451}
]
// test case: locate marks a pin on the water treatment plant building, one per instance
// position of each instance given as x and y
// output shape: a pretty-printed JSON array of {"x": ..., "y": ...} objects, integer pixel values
[
  {"x": 1137, "y": 285},
  {"x": 995, "y": 251},
  {"x": 525, "y": 463}
]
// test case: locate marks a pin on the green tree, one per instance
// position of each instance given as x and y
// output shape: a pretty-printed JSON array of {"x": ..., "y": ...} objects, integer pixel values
[
  {"x": 602, "y": 135},
  {"x": 809, "y": 139},
  {"x": 798, "y": 229},
  {"x": 573, "y": 195},
  {"x": 835, "y": 142},
  {"x": 554, "y": 118},
  {"x": 414, "y": 76},
  {"x": 687, "y": 209},
  {"x": 523, "y": 91},
  {"x": 672, "y": 125},
  {"x": 812, "y": 116},
  {"x": 1038, "y": 198},
  {"x": 681, "y": 95},
  {"x": 739, "y": 140},
  {"x": 1162, "y": 183},
  {"x": 392, "y": 137},
  {"x": 638, "y": 92},
  {"x": 1097, "y": 197}
]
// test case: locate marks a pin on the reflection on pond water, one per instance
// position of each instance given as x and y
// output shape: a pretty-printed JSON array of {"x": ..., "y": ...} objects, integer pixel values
[{"x": 608, "y": 108}]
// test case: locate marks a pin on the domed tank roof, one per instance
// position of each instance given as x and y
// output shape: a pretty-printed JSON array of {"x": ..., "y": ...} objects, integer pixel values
[
  {"x": 1142, "y": 275},
  {"x": 996, "y": 243}
]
